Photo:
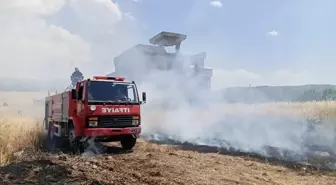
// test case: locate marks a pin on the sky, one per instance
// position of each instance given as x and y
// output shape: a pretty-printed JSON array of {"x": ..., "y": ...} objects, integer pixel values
[{"x": 257, "y": 42}]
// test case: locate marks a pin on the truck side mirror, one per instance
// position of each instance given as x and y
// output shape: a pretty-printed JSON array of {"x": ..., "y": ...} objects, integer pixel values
[
  {"x": 73, "y": 94},
  {"x": 144, "y": 96}
]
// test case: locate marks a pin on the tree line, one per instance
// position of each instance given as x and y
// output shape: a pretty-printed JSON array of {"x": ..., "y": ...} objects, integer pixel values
[
  {"x": 280, "y": 93},
  {"x": 314, "y": 95}
]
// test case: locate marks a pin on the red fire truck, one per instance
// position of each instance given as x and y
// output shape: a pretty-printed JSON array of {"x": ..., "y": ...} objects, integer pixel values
[{"x": 105, "y": 109}]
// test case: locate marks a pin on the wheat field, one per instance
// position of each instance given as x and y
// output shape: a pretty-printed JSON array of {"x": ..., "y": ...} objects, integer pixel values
[{"x": 21, "y": 121}]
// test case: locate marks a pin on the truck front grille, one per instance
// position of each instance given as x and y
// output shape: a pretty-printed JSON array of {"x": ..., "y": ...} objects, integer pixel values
[{"x": 114, "y": 121}]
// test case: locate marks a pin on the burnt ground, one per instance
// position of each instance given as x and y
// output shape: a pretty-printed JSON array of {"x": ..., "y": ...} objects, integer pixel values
[{"x": 156, "y": 164}]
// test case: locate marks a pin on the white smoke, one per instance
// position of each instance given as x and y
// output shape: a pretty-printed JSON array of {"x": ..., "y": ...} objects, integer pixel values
[
  {"x": 30, "y": 43},
  {"x": 48, "y": 38},
  {"x": 207, "y": 119}
]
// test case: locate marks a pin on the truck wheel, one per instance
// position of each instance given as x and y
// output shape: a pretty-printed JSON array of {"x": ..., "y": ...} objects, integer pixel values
[
  {"x": 53, "y": 142},
  {"x": 75, "y": 144},
  {"x": 128, "y": 142}
]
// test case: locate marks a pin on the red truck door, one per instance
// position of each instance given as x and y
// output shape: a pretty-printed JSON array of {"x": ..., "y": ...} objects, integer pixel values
[{"x": 80, "y": 101}]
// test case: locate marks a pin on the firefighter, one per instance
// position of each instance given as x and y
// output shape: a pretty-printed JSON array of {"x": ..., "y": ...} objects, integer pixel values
[{"x": 76, "y": 76}]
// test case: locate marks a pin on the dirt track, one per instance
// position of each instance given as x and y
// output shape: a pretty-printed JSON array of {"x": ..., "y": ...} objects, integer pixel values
[{"x": 155, "y": 164}]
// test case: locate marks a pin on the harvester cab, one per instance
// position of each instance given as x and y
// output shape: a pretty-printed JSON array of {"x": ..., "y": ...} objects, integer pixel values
[{"x": 165, "y": 39}]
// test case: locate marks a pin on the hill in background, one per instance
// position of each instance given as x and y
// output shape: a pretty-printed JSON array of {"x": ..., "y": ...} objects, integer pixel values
[
  {"x": 32, "y": 85},
  {"x": 256, "y": 94},
  {"x": 279, "y": 93}
]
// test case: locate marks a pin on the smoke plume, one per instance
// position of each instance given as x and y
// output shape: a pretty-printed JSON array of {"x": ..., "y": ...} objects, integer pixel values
[{"x": 207, "y": 119}]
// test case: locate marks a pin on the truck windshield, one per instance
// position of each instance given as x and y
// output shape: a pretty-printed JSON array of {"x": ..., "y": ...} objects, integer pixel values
[{"x": 101, "y": 91}]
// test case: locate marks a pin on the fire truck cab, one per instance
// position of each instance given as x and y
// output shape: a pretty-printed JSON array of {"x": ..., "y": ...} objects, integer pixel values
[{"x": 105, "y": 109}]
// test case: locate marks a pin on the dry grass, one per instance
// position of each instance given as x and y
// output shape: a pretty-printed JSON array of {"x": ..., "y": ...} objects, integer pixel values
[
  {"x": 318, "y": 111},
  {"x": 17, "y": 134},
  {"x": 324, "y": 109}
]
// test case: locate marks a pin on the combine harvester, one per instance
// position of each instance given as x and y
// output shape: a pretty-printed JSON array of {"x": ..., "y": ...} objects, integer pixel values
[
  {"x": 154, "y": 64},
  {"x": 104, "y": 109},
  {"x": 139, "y": 61}
]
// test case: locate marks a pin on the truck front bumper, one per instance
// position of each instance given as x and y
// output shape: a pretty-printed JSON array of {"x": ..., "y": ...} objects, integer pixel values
[{"x": 112, "y": 131}]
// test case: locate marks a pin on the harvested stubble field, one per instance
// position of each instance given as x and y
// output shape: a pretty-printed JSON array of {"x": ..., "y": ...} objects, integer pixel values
[{"x": 23, "y": 161}]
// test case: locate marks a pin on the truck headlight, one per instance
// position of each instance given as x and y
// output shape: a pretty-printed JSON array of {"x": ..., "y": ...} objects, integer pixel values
[
  {"x": 93, "y": 123},
  {"x": 135, "y": 122},
  {"x": 93, "y": 107}
]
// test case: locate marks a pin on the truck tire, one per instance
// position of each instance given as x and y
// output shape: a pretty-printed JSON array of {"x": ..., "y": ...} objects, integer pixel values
[
  {"x": 76, "y": 146},
  {"x": 53, "y": 143},
  {"x": 128, "y": 142}
]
